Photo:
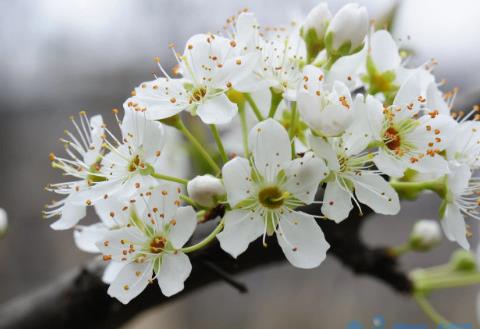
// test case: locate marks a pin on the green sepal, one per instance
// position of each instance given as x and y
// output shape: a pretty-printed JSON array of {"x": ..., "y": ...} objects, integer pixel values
[
  {"x": 314, "y": 44},
  {"x": 147, "y": 171}
]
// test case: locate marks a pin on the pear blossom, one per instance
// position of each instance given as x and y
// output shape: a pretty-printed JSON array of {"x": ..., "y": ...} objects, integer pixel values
[
  {"x": 211, "y": 65},
  {"x": 149, "y": 247},
  {"x": 114, "y": 213},
  {"x": 347, "y": 30},
  {"x": 352, "y": 178},
  {"x": 326, "y": 108},
  {"x": 205, "y": 190},
  {"x": 264, "y": 193},
  {"x": 3, "y": 222},
  {"x": 282, "y": 53},
  {"x": 386, "y": 70},
  {"x": 461, "y": 199},
  {"x": 85, "y": 152},
  {"x": 404, "y": 139},
  {"x": 128, "y": 167},
  {"x": 426, "y": 233},
  {"x": 383, "y": 64}
]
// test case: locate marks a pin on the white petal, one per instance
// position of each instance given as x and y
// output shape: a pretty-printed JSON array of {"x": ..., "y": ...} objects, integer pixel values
[
  {"x": 324, "y": 150},
  {"x": 376, "y": 192},
  {"x": 96, "y": 134},
  {"x": 161, "y": 204},
  {"x": 431, "y": 165},
  {"x": 454, "y": 227},
  {"x": 337, "y": 202},
  {"x": 303, "y": 176},
  {"x": 270, "y": 146},
  {"x": 185, "y": 224},
  {"x": 440, "y": 130},
  {"x": 112, "y": 212},
  {"x": 238, "y": 71},
  {"x": 247, "y": 31},
  {"x": 408, "y": 95},
  {"x": 241, "y": 228},
  {"x": 368, "y": 120},
  {"x": 111, "y": 271},
  {"x": 98, "y": 191},
  {"x": 314, "y": 80},
  {"x": 388, "y": 164},
  {"x": 302, "y": 240},
  {"x": 435, "y": 99},
  {"x": 346, "y": 68},
  {"x": 384, "y": 51},
  {"x": 174, "y": 270},
  {"x": 217, "y": 110},
  {"x": 237, "y": 180},
  {"x": 198, "y": 54},
  {"x": 71, "y": 215},
  {"x": 114, "y": 243},
  {"x": 143, "y": 134},
  {"x": 86, "y": 237},
  {"x": 459, "y": 178},
  {"x": 131, "y": 281},
  {"x": 160, "y": 98}
]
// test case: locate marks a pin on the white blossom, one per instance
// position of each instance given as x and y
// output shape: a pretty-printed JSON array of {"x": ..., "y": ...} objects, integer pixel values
[
  {"x": 264, "y": 194},
  {"x": 85, "y": 152},
  {"x": 326, "y": 108},
  {"x": 352, "y": 178},
  {"x": 404, "y": 141},
  {"x": 149, "y": 247},
  {"x": 281, "y": 55},
  {"x": 128, "y": 167},
  {"x": 211, "y": 65}
]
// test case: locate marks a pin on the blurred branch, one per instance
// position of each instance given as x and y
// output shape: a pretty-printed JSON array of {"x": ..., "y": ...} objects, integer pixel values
[{"x": 79, "y": 298}]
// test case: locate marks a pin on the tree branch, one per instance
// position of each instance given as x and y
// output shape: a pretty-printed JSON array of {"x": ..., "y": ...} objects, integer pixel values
[{"x": 79, "y": 299}]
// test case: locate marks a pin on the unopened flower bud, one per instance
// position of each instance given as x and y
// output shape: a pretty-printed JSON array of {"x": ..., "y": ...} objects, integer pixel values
[
  {"x": 347, "y": 30},
  {"x": 426, "y": 234},
  {"x": 314, "y": 28},
  {"x": 3, "y": 223},
  {"x": 205, "y": 190},
  {"x": 463, "y": 260}
]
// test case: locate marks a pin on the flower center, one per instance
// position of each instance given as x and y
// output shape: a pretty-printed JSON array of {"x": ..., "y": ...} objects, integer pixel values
[
  {"x": 271, "y": 197},
  {"x": 158, "y": 244},
  {"x": 392, "y": 139},
  {"x": 343, "y": 162},
  {"x": 198, "y": 94},
  {"x": 135, "y": 164}
]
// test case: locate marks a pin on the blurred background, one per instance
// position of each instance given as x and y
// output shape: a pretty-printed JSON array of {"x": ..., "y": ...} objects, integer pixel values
[{"x": 60, "y": 57}]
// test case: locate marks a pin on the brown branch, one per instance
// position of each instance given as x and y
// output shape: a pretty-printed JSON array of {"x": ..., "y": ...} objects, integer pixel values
[{"x": 79, "y": 299}]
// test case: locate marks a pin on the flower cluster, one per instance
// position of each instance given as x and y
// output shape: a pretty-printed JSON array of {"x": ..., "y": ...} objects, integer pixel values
[{"x": 327, "y": 105}]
